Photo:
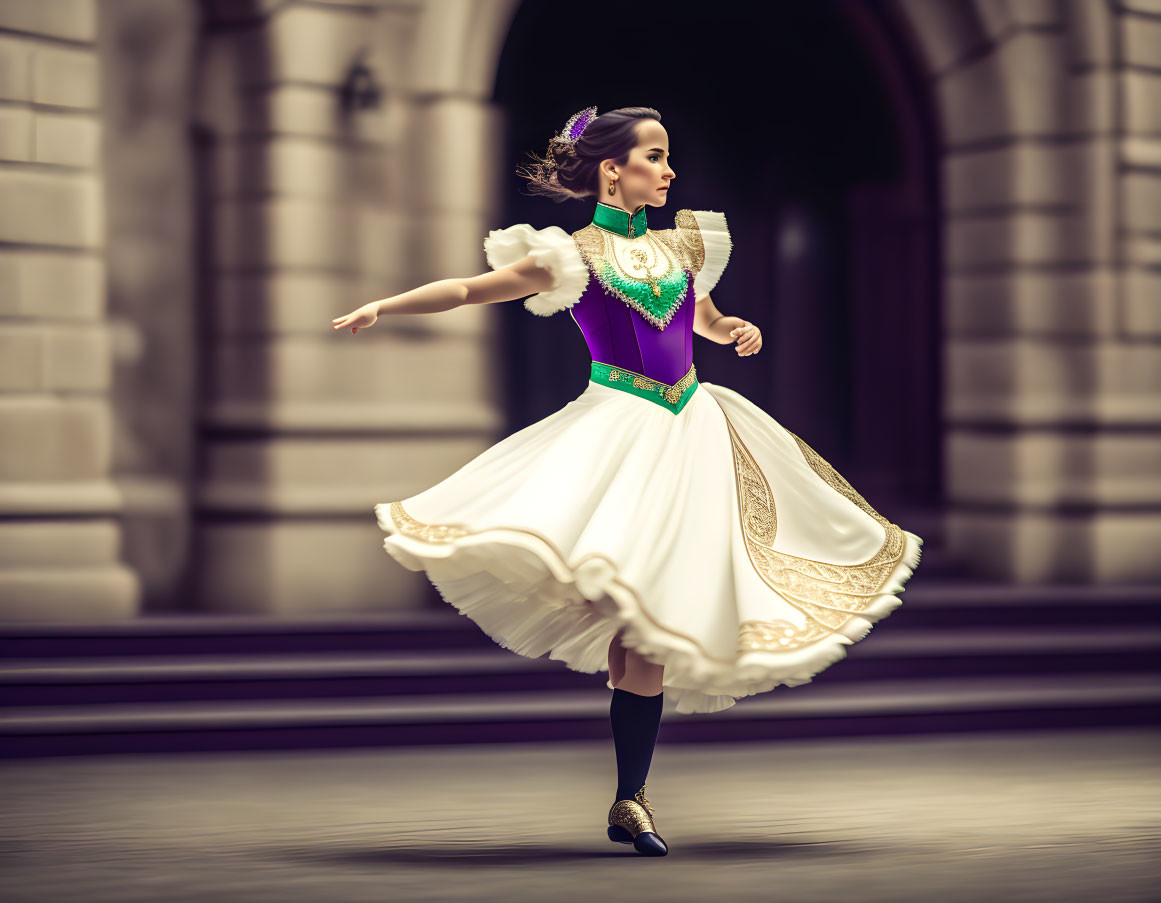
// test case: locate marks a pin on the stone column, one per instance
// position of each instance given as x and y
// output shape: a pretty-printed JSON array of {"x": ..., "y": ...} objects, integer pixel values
[
  {"x": 1053, "y": 358},
  {"x": 313, "y": 209},
  {"x": 60, "y": 538}
]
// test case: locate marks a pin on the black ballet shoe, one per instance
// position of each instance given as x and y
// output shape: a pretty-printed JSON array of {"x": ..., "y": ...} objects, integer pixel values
[{"x": 631, "y": 821}]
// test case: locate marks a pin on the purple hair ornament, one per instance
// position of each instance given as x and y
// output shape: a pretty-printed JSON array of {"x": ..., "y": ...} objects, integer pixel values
[{"x": 577, "y": 123}]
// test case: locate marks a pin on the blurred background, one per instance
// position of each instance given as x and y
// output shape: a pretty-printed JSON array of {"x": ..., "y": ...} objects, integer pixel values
[
  {"x": 947, "y": 222},
  {"x": 946, "y": 218}
]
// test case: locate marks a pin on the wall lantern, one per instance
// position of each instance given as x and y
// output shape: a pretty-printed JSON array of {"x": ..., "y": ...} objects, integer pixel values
[{"x": 360, "y": 91}]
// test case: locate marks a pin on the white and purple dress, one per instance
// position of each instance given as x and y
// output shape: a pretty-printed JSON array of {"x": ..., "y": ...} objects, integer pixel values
[{"x": 676, "y": 510}]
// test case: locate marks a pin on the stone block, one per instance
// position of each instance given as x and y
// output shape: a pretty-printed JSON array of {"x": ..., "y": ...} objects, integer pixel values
[
  {"x": 442, "y": 176},
  {"x": 15, "y": 134},
  {"x": 72, "y": 20},
  {"x": 1142, "y": 291},
  {"x": 1041, "y": 383},
  {"x": 1044, "y": 469},
  {"x": 52, "y": 285},
  {"x": 41, "y": 544},
  {"x": 1141, "y": 99},
  {"x": 451, "y": 244},
  {"x": 1023, "y": 237},
  {"x": 21, "y": 357},
  {"x": 1091, "y": 33},
  {"x": 15, "y": 68},
  {"x": 389, "y": 245},
  {"x": 945, "y": 31},
  {"x": 1019, "y": 174},
  {"x": 1015, "y": 90},
  {"x": 303, "y": 44},
  {"x": 65, "y": 78},
  {"x": 295, "y": 566},
  {"x": 284, "y": 232},
  {"x": 296, "y": 474},
  {"x": 286, "y": 167},
  {"x": 110, "y": 592},
  {"x": 68, "y": 140},
  {"x": 47, "y": 438},
  {"x": 1143, "y": 251},
  {"x": 1141, "y": 153},
  {"x": 359, "y": 367},
  {"x": 1141, "y": 201},
  {"x": 355, "y": 417},
  {"x": 65, "y": 210},
  {"x": 282, "y": 303},
  {"x": 1029, "y": 303},
  {"x": 77, "y": 359},
  {"x": 1141, "y": 41},
  {"x": 1022, "y": 546},
  {"x": 1125, "y": 547},
  {"x": 1090, "y": 105}
]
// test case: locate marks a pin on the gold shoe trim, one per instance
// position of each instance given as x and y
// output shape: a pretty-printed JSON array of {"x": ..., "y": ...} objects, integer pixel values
[{"x": 632, "y": 816}]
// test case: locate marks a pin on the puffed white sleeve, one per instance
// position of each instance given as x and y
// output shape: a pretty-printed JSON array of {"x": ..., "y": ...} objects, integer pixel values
[
  {"x": 708, "y": 238},
  {"x": 553, "y": 249}
]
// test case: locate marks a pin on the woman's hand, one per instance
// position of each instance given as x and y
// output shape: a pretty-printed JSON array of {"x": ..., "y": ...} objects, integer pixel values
[
  {"x": 364, "y": 316},
  {"x": 749, "y": 338}
]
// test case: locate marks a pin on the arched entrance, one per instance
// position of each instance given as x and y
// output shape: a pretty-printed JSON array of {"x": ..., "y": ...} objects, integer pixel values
[{"x": 823, "y": 157}]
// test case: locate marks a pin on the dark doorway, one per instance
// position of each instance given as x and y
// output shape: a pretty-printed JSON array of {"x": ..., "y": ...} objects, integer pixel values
[{"x": 806, "y": 124}]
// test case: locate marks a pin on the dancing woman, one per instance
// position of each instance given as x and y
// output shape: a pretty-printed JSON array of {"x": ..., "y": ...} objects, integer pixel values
[{"x": 662, "y": 528}]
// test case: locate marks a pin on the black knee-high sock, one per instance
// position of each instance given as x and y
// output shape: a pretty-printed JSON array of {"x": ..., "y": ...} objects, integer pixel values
[{"x": 635, "y": 721}]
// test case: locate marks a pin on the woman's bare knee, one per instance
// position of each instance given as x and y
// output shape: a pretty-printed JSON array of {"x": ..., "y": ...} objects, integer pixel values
[
  {"x": 616, "y": 659},
  {"x": 641, "y": 676}
]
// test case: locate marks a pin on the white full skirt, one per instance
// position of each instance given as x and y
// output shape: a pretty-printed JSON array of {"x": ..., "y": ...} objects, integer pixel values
[{"x": 721, "y": 544}]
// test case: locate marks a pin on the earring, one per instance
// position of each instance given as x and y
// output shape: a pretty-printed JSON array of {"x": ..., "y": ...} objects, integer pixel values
[{"x": 612, "y": 185}]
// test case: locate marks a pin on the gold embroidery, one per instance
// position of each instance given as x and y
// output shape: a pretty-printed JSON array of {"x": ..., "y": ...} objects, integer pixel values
[
  {"x": 599, "y": 248},
  {"x": 688, "y": 233},
  {"x": 429, "y": 532},
  {"x": 778, "y": 634},
  {"x": 758, "y": 511},
  {"x": 828, "y": 595},
  {"x": 834, "y": 479},
  {"x": 590, "y": 244},
  {"x": 409, "y": 526}
]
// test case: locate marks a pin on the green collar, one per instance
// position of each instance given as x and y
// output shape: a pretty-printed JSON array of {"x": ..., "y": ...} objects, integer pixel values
[{"x": 614, "y": 219}]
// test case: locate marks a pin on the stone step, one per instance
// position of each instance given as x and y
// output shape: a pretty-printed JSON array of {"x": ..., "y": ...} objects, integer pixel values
[
  {"x": 875, "y": 707},
  {"x": 928, "y": 603},
  {"x": 882, "y": 654}
]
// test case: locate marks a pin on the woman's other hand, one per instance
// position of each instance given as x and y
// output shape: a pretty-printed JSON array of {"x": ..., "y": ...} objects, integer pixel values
[
  {"x": 749, "y": 339},
  {"x": 364, "y": 316}
]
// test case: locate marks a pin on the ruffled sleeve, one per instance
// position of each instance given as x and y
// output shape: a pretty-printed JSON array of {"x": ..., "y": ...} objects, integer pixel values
[
  {"x": 553, "y": 249},
  {"x": 707, "y": 238}
]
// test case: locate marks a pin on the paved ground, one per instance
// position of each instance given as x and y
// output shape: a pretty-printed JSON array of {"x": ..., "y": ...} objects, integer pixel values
[{"x": 1046, "y": 817}]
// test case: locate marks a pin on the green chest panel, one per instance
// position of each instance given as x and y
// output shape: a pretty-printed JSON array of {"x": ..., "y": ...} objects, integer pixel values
[
  {"x": 657, "y": 293},
  {"x": 657, "y": 302}
]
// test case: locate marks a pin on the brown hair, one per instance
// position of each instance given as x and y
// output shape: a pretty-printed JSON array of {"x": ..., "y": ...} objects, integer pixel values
[{"x": 569, "y": 170}]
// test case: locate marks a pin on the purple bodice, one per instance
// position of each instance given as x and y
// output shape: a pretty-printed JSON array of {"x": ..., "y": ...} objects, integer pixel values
[{"x": 618, "y": 335}]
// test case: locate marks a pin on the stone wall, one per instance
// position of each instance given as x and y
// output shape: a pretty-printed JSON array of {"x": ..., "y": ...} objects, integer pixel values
[
  {"x": 1051, "y": 115},
  {"x": 146, "y": 65},
  {"x": 312, "y": 209},
  {"x": 168, "y": 370},
  {"x": 60, "y": 540}
]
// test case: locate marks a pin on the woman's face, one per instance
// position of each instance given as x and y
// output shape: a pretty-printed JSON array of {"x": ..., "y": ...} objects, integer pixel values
[{"x": 645, "y": 177}]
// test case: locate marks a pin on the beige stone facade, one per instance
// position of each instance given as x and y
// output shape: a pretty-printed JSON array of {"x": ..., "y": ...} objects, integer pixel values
[{"x": 186, "y": 201}]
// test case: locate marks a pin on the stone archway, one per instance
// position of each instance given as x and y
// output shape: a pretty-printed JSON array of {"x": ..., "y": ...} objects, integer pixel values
[
  {"x": 311, "y": 208},
  {"x": 1051, "y": 168},
  {"x": 1051, "y": 280}
]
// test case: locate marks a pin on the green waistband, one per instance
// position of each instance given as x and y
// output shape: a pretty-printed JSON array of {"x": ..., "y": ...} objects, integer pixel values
[{"x": 672, "y": 398}]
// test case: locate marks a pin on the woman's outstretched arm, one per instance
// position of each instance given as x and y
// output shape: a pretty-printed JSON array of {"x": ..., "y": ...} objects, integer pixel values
[
  {"x": 517, "y": 280},
  {"x": 711, "y": 323}
]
